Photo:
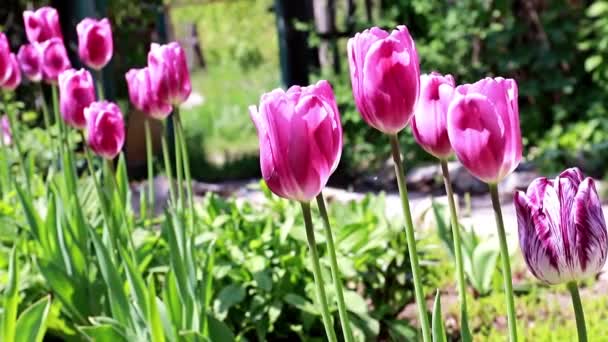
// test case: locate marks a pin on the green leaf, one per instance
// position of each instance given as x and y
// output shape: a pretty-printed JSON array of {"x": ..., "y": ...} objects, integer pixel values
[
  {"x": 593, "y": 62},
  {"x": 355, "y": 303},
  {"x": 227, "y": 298},
  {"x": 154, "y": 322},
  {"x": 172, "y": 300},
  {"x": 597, "y": 9},
  {"x": 136, "y": 282},
  {"x": 31, "y": 214},
  {"x": 301, "y": 303},
  {"x": 11, "y": 299},
  {"x": 32, "y": 322},
  {"x": 104, "y": 333},
  {"x": 118, "y": 299},
  {"x": 484, "y": 261},
  {"x": 437, "y": 325},
  {"x": 219, "y": 331}
]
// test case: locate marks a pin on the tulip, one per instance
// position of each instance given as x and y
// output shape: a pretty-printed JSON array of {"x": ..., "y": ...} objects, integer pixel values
[
  {"x": 429, "y": 123},
  {"x": 14, "y": 75},
  {"x": 42, "y": 24},
  {"x": 5, "y": 58},
  {"x": 143, "y": 97},
  {"x": 54, "y": 59},
  {"x": 169, "y": 74},
  {"x": 483, "y": 127},
  {"x": 105, "y": 129},
  {"x": 5, "y": 131},
  {"x": 30, "y": 61},
  {"x": 95, "y": 45},
  {"x": 385, "y": 77},
  {"x": 562, "y": 231},
  {"x": 76, "y": 92},
  {"x": 300, "y": 138}
]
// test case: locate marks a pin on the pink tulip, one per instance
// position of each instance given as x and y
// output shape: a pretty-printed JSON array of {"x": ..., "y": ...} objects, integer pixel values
[
  {"x": 169, "y": 73},
  {"x": 76, "y": 92},
  {"x": 95, "y": 44},
  {"x": 54, "y": 59},
  {"x": 483, "y": 127},
  {"x": 142, "y": 96},
  {"x": 14, "y": 75},
  {"x": 105, "y": 129},
  {"x": 300, "y": 139},
  {"x": 42, "y": 25},
  {"x": 5, "y": 131},
  {"x": 30, "y": 61},
  {"x": 429, "y": 123},
  {"x": 562, "y": 231},
  {"x": 14, "y": 78},
  {"x": 5, "y": 58},
  {"x": 385, "y": 77}
]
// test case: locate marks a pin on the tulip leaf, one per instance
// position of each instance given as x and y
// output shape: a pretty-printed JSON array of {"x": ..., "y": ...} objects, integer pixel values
[
  {"x": 32, "y": 322},
  {"x": 437, "y": 321},
  {"x": 11, "y": 299}
]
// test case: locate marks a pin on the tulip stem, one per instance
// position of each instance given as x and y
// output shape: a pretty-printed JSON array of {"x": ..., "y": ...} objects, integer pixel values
[
  {"x": 45, "y": 109},
  {"x": 178, "y": 161},
  {"x": 335, "y": 271},
  {"x": 462, "y": 287},
  {"x": 316, "y": 270},
  {"x": 150, "y": 164},
  {"x": 186, "y": 162},
  {"x": 100, "y": 92},
  {"x": 411, "y": 239},
  {"x": 506, "y": 265},
  {"x": 167, "y": 162},
  {"x": 578, "y": 311}
]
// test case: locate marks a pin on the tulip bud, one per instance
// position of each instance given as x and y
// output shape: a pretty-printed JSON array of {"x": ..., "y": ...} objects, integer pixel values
[
  {"x": 14, "y": 76},
  {"x": 169, "y": 73},
  {"x": 562, "y": 232},
  {"x": 429, "y": 124},
  {"x": 105, "y": 129},
  {"x": 30, "y": 61},
  {"x": 42, "y": 25},
  {"x": 143, "y": 97},
  {"x": 5, "y": 131},
  {"x": 5, "y": 58},
  {"x": 300, "y": 138},
  {"x": 95, "y": 44},
  {"x": 385, "y": 77},
  {"x": 76, "y": 92},
  {"x": 483, "y": 127},
  {"x": 54, "y": 59}
]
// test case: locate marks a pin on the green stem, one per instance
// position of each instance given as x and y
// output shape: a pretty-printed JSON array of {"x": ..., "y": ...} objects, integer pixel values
[
  {"x": 506, "y": 265},
  {"x": 167, "y": 161},
  {"x": 335, "y": 271},
  {"x": 578, "y": 311},
  {"x": 186, "y": 163},
  {"x": 316, "y": 270},
  {"x": 150, "y": 162},
  {"x": 178, "y": 160},
  {"x": 45, "y": 109},
  {"x": 462, "y": 289},
  {"x": 411, "y": 239},
  {"x": 100, "y": 92}
]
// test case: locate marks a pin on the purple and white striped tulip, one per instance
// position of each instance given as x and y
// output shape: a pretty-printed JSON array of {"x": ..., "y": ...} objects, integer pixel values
[{"x": 562, "y": 231}]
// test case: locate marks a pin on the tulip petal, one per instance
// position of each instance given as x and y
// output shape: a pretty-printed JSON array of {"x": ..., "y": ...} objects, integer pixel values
[
  {"x": 476, "y": 132},
  {"x": 591, "y": 242}
]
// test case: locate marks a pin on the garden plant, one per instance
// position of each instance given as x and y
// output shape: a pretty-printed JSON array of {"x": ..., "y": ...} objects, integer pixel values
[{"x": 213, "y": 269}]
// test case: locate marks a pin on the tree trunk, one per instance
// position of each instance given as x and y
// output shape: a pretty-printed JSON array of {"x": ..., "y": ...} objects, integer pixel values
[{"x": 325, "y": 23}]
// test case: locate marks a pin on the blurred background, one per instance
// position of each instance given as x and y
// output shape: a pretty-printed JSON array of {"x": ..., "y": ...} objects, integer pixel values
[{"x": 557, "y": 51}]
